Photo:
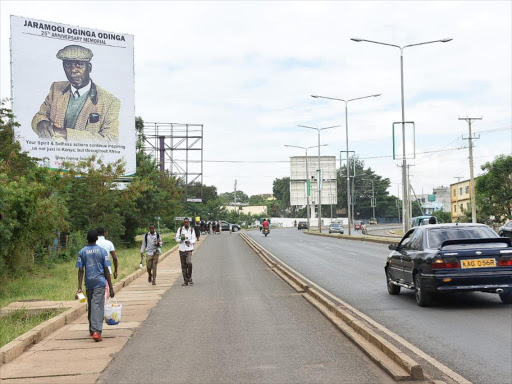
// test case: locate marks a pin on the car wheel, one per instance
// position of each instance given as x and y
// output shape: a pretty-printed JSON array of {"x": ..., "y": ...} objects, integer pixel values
[
  {"x": 423, "y": 298},
  {"x": 506, "y": 297},
  {"x": 235, "y": 229},
  {"x": 392, "y": 288}
]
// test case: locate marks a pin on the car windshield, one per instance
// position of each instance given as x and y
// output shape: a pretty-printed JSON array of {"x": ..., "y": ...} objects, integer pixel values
[{"x": 436, "y": 236}]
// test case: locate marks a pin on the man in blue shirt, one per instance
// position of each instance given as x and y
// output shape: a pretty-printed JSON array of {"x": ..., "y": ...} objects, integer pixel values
[{"x": 96, "y": 261}]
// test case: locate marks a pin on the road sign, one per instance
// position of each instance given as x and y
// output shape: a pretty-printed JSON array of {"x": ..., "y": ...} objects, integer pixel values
[{"x": 194, "y": 200}]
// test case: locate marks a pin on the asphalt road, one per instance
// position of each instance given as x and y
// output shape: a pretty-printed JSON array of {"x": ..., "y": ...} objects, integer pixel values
[
  {"x": 470, "y": 333},
  {"x": 239, "y": 323}
]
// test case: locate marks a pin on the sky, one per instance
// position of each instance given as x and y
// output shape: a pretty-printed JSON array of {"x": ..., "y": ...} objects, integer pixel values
[{"x": 246, "y": 70}]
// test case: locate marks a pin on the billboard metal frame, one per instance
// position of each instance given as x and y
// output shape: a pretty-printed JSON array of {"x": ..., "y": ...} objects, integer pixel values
[{"x": 178, "y": 148}]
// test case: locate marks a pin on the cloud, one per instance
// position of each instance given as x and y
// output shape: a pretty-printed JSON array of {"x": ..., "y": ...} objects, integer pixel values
[{"x": 246, "y": 71}]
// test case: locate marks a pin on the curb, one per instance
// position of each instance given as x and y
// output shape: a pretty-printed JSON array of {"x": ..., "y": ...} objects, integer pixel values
[
  {"x": 391, "y": 359},
  {"x": 16, "y": 347},
  {"x": 369, "y": 239}
]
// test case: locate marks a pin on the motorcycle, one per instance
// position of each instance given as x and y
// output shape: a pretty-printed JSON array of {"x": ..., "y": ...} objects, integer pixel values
[
  {"x": 266, "y": 231},
  {"x": 364, "y": 231}
]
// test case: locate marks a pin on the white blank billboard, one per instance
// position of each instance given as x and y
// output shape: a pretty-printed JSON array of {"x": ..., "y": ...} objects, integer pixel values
[
  {"x": 73, "y": 92},
  {"x": 298, "y": 179}
]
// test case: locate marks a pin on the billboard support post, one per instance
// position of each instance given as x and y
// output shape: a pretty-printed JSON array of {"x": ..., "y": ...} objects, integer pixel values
[
  {"x": 164, "y": 140},
  {"x": 162, "y": 153}
]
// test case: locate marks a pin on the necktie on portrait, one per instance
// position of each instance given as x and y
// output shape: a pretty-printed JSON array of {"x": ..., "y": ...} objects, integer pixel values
[{"x": 77, "y": 94}]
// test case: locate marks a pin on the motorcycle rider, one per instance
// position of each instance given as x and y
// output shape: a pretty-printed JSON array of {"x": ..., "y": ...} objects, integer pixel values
[{"x": 265, "y": 225}]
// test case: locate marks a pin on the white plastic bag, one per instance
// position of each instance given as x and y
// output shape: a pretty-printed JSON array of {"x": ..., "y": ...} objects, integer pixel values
[{"x": 113, "y": 312}]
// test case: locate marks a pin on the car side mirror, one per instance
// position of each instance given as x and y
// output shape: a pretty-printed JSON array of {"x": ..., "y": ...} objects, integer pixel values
[{"x": 393, "y": 247}]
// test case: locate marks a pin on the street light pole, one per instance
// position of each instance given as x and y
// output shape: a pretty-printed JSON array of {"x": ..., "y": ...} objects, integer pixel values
[
  {"x": 405, "y": 191},
  {"x": 405, "y": 186},
  {"x": 319, "y": 180},
  {"x": 319, "y": 185},
  {"x": 349, "y": 197},
  {"x": 307, "y": 177}
]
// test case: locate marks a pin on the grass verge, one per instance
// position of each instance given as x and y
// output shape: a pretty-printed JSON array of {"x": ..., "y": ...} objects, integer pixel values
[
  {"x": 59, "y": 281},
  {"x": 18, "y": 322}
]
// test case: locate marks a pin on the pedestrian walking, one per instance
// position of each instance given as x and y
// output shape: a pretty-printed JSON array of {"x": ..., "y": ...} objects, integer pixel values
[
  {"x": 108, "y": 246},
  {"x": 197, "y": 231},
  {"x": 186, "y": 238},
  {"x": 151, "y": 244},
  {"x": 96, "y": 262}
]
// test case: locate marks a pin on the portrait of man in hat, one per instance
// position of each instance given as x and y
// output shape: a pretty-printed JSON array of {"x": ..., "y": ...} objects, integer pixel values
[{"x": 78, "y": 109}]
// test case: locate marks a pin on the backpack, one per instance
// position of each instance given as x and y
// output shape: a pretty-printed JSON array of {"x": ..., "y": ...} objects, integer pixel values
[
  {"x": 193, "y": 229},
  {"x": 146, "y": 238}
]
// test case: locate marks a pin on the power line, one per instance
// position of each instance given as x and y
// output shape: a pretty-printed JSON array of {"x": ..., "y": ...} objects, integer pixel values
[{"x": 287, "y": 161}]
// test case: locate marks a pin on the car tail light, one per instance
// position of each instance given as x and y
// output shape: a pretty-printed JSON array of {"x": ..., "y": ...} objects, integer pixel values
[
  {"x": 445, "y": 264},
  {"x": 505, "y": 261}
]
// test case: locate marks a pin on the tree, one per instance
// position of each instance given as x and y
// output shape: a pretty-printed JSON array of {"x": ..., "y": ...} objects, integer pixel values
[
  {"x": 228, "y": 198},
  {"x": 361, "y": 189},
  {"x": 31, "y": 210},
  {"x": 443, "y": 217},
  {"x": 494, "y": 189},
  {"x": 281, "y": 191},
  {"x": 259, "y": 199}
]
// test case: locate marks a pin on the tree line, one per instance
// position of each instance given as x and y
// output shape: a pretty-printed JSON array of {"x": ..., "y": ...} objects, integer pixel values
[{"x": 37, "y": 204}]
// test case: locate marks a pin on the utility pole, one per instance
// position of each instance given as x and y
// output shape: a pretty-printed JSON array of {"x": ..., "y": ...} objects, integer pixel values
[
  {"x": 409, "y": 200},
  {"x": 471, "y": 175}
]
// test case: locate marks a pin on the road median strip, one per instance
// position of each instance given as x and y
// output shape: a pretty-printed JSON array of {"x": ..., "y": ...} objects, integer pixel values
[
  {"x": 368, "y": 238},
  {"x": 390, "y": 358},
  {"x": 16, "y": 347}
]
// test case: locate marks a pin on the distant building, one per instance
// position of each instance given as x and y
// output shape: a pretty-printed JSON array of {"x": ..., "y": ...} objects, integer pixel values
[
  {"x": 431, "y": 207},
  {"x": 460, "y": 198},
  {"x": 439, "y": 200},
  {"x": 423, "y": 198},
  {"x": 442, "y": 195}
]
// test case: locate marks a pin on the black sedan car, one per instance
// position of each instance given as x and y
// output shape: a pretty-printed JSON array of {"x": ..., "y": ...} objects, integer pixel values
[
  {"x": 444, "y": 258},
  {"x": 302, "y": 225},
  {"x": 506, "y": 230}
]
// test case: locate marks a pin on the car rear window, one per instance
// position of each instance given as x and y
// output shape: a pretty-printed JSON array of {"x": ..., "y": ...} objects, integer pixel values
[{"x": 436, "y": 236}]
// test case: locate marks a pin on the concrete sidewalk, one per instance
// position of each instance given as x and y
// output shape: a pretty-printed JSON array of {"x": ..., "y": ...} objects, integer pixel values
[
  {"x": 69, "y": 355},
  {"x": 239, "y": 323}
]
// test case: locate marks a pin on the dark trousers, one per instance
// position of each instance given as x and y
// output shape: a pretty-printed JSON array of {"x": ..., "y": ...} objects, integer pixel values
[
  {"x": 186, "y": 265},
  {"x": 96, "y": 309}
]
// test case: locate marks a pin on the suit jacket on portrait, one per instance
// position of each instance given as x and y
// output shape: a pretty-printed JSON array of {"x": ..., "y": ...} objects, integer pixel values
[{"x": 98, "y": 120}]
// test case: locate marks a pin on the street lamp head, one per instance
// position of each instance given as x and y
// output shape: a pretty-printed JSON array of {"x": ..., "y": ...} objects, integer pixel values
[
  {"x": 446, "y": 40},
  {"x": 315, "y": 96},
  {"x": 357, "y": 39}
]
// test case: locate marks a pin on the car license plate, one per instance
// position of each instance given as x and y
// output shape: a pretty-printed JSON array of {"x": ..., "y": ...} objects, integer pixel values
[{"x": 478, "y": 263}]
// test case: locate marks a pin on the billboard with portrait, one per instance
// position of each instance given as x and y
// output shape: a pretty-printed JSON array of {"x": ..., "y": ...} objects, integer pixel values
[{"x": 73, "y": 92}]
